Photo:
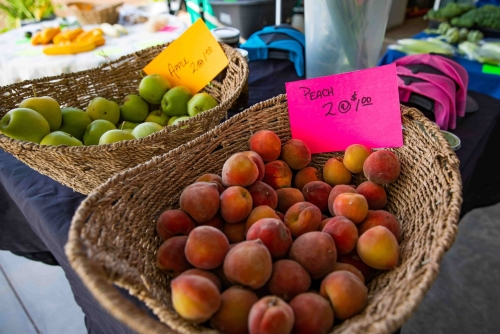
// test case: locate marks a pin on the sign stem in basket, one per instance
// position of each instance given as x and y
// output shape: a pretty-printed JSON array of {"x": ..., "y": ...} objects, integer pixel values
[{"x": 332, "y": 112}]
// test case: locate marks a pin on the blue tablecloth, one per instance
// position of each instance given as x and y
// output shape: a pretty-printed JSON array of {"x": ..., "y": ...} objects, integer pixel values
[{"x": 488, "y": 84}]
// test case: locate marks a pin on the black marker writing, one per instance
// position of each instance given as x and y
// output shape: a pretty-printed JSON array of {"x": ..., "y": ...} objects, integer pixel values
[
  {"x": 174, "y": 69},
  {"x": 344, "y": 106},
  {"x": 329, "y": 105},
  {"x": 316, "y": 94}
]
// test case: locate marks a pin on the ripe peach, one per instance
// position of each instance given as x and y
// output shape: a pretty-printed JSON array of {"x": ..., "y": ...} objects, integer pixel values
[
  {"x": 267, "y": 144},
  {"x": 235, "y": 204},
  {"x": 378, "y": 248},
  {"x": 353, "y": 259},
  {"x": 208, "y": 177},
  {"x": 346, "y": 292},
  {"x": 288, "y": 279},
  {"x": 205, "y": 273},
  {"x": 277, "y": 174},
  {"x": 270, "y": 315},
  {"x": 374, "y": 193},
  {"x": 194, "y": 297},
  {"x": 206, "y": 247},
  {"x": 382, "y": 218},
  {"x": 273, "y": 234},
  {"x": 317, "y": 193},
  {"x": 239, "y": 170},
  {"x": 296, "y": 154},
  {"x": 344, "y": 233},
  {"x": 235, "y": 232},
  {"x": 258, "y": 213},
  {"x": 305, "y": 175},
  {"x": 200, "y": 200},
  {"x": 323, "y": 223},
  {"x": 349, "y": 267},
  {"x": 382, "y": 167},
  {"x": 212, "y": 178},
  {"x": 248, "y": 263},
  {"x": 263, "y": 194},
  {"x": 313, "y": 313},
  {"x": 232, "y": 316},
  {"x": 302, "y": 217},
  {"x": 336, "y": 190},
  {"x": 216, "y": 222},
  {"x": 288, "y": 197},
  {"x": 170, "y": 256},
  {"x": 334, "y": 172},
  {"x": 351, "y": 206},
  {"x": 219, "y": 272},
  {"x": 173, "y": 222},
  {"x": 258, "y": 161},
  {"x": 354, "y": 157},
  {"x": 316, "y": 252}
]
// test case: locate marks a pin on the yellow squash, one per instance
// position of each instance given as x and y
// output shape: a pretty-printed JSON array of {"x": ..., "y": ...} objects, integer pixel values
[
  {"x": 89, "y": 34},
  {"x": 48, "y": 34},
  {"x": 71, "y": 48}
]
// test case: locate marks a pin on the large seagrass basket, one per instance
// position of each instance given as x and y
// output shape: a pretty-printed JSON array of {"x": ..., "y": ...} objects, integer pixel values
[
  {"x": 85, "y": 167},
  {"x": 113, "y": 241}
]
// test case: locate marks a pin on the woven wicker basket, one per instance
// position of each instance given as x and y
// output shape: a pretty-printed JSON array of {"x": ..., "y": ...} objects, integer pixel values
[
  {"x": 113, "y": 240},
  {"x": 85, "y": 167},
  {"x": 89, "y": 13}
]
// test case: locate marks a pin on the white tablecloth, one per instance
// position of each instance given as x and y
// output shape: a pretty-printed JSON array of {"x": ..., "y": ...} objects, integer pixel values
[{"x": 19, "y": 60}]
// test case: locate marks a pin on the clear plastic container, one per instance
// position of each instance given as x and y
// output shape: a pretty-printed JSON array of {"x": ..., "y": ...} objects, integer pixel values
[
  {"x": 229, "y": 36},
  {"x": 343, "y": 35}
]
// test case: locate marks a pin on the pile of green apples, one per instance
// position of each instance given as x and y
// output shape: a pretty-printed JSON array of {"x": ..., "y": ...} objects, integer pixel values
[{"x": 41, "y": 120}]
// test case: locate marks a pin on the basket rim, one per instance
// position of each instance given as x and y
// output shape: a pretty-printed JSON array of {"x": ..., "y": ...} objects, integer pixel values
[
  {"x": 229, "y": 51},
  {"x": 96, "y": 7},
  {"x": 104, "y": 291}
]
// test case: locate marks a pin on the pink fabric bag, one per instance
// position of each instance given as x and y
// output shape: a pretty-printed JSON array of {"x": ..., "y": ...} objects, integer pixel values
[
  {"x": 428, "y": 89},
  {"x": 450, "y": 68},
  {"x": 447, "y": 86}
]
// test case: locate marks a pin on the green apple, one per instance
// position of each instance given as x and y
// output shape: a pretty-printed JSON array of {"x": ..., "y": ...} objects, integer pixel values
[
  {"x": 24, "y": 124},
  {"x": 145, "y": 129},
  {"x": 172, "y": 119},
  {"x": 74, "y": 122},
  {"x": 101, "y": 108},
  {"x": 47, "y": 107},
  {"x": 174, "y": 102},
  {"x": 158, "y": 117},
  {"x": 127, "y": 125},
  {"x": 200, "y": 102},
  {"x": 180, "y": 119},
  {"x": 134, "y": 108},
  {"x": 57, "y": 138},
  {"x": 95, "y": 130},
  {"x": 113, "y": 136},
  {"x": 152, "y": 88}
]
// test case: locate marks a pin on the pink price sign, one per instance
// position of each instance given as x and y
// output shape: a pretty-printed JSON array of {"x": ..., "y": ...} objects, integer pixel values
[{"x": 332, "y": 112}]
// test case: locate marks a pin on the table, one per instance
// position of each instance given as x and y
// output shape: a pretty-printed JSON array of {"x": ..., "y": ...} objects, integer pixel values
[
  {"x": 19, "y": 60},
  {"x": 36, "y": 211},
  {"x": 488, "y": 84}
]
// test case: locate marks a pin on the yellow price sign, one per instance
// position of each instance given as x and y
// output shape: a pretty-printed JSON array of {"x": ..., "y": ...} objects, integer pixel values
[{"x": 192, "y": 60}]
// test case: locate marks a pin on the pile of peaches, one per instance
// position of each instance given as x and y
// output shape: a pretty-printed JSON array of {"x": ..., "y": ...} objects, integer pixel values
[{"x": 273, "y": 245}]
